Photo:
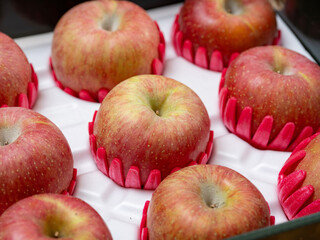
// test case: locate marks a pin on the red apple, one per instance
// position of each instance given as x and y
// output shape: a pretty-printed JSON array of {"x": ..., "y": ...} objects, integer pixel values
[
  {"x": 153, "y": 123},
  {"x": 51, "y": 216},
  {"x": 98, "y": 44},
  {"x": 227, "y": 26},
  {"x": 298, "y": 182},
  {"x": 15, "y": 72},
  {"x": 310, "y": 164},
  {"x": 205, "y": 202},
  {"x": 275, "y": 82},
  {"x": 35, "y": 157}
]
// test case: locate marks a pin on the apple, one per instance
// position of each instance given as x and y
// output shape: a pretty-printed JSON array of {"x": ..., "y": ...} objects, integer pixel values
[
  {"x": 309, "y": 164},
  {"x": 18, "y": 81},
  {"x": 50, "y": 216},
  {"x": 98, "y": 44},
  {"x": 205, "y": 202},
  {"x": 226, "y": 26},
  {"x": 298, "y": 182},
  {"x": 35, "y": 157},
  {"x": 152, "y": 123},
  {"x": 270, "y": 96}
]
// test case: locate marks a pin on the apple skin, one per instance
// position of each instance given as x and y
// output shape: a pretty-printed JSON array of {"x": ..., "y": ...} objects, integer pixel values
[
  {"x": 279, "y": 82},
  {"x": 35, "y": 157},
  {"x": 86, "y": 56},
  {"x": 15, "y": 71},
  {"x": 205, "y": 202},
  {"x": 128, "y": 127},
  {"x": 311, "y": 163},
  {"x": 42, "y": 216},
  {"x": 208, "y": 24}
]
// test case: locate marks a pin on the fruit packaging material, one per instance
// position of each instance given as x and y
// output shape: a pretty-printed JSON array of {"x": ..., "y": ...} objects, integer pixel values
[{"x": 122, "y": 208}]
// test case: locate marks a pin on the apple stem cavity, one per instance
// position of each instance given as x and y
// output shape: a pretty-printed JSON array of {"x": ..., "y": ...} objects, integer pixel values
[
  {"x": 212, "y": 196},
  {"x": 233, "y": 7},
  {"x": 156, "y": 107},
  {"x": 8, "y": 135},
  {"x": 110, "y": 22},
  {"x": 283, "y": 71}
]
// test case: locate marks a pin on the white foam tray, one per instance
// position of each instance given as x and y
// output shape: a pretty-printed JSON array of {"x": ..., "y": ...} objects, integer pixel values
[{"x": 122, "y": 208}]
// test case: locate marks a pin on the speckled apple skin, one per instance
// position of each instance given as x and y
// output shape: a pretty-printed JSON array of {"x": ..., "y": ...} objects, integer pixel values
[
  {"x": 85, "y": 56},
  {"x": 311, "y": 164},
  {"x": 128, "y": 127},
  {"x": 38, "y": 161},
  {"x": 253, "y": 80},
  {"x": 177, "y": 209},
  {"x": 15, "y": 71},
  {"x": 40, "y": 216},
  {"x": 206, "y": 23}
]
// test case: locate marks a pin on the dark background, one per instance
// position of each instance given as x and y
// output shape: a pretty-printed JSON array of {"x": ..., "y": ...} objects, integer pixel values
[
  {"x": 303, "y": 18},
  {"x": 19, "y": 18}
]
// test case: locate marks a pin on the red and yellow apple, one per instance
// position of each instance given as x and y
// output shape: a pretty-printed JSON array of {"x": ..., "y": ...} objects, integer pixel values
[
  {"x": 276, "y": 82},
  {"x": 205, "y": 202},
  {"x": 310, "y": 164},
  {"x": 52, "y": 216},
  {"x": 228, "y": 26},
  {"x": 15, "y": 71},
  {"x": 298, "y": 181},
  {"x": 154, "y": 123},
  {"x": 35, "y": 157},
  {"x": 98, "y": 44}
]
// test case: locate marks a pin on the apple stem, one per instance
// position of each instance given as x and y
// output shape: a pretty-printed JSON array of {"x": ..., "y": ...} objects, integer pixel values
[
  {"x": 216, "y": 205},
  {"x": 158, "y": 112},
  {"x": 5, "y": 143},
  {"x": 56, "y": 234}
]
